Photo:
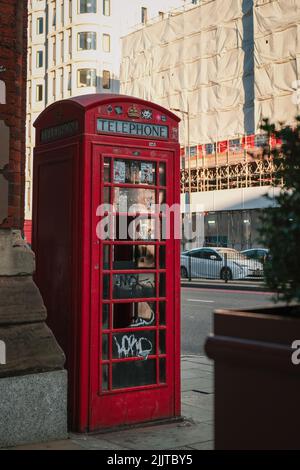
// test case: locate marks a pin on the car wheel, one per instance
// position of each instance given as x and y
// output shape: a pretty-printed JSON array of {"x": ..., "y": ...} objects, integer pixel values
[
  {"x": 226, "y": 274},
  {"x": 183, "y": 272}
]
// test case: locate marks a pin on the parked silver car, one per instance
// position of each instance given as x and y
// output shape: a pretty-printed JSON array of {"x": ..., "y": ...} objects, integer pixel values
[
  {"x": 258, "y": 254},
  {"x": 218, "y": 263}
]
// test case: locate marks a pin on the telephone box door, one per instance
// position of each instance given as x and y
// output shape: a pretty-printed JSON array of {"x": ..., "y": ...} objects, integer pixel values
[{"x": 133, "y": 325}]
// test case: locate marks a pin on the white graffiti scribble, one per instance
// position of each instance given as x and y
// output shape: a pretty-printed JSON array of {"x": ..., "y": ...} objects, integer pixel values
[{"x": 131, "y": 346}]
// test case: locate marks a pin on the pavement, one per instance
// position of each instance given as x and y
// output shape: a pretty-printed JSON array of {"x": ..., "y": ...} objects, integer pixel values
[{"x": 193, "y": 432}]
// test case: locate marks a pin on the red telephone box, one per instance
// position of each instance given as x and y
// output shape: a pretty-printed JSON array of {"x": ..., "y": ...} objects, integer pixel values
[{"x": 112, "y": 300}]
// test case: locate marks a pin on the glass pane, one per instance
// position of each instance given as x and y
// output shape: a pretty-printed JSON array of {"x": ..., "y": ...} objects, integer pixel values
[
  {"x": 107, "y": 170},
  {"x": 106, "y": 286},
  {"x": 134, "y": 172},
  {"x": 133, "y": 315},
  {"x": 104, "y": 346},
  {"x": 134, "y": 256},
  {"x": 135, "y": 228},
  {"x": 162, "y": 285},
  {"x": 164, "y": 228},
  {"x": 162, "y": 196},
  {"x": 106, "y": 264},
  {"x": 162, "y": 256},
  {"x": 133, "y": 373},
  {"x": 162, "y": 370},
  {"x": 106, "y": 195},
  {"x": 134, "y": 200},
  {"x": 105, "y": 377},
  {"x": 105, "y": 316},
  {"x": 127, "y": 286},
  {"x": 162, "y": 313},
  {"x": 162, "y": 174},
  {"x": 134, "y": 344},
  {"x": 162, "y": 342}
]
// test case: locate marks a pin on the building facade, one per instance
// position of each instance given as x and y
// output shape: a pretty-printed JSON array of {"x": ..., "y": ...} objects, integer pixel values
[
  {"x": 12, "y": 112},
  {"x": 74, "y": 48},
  {"x": 223, "y": 66}
]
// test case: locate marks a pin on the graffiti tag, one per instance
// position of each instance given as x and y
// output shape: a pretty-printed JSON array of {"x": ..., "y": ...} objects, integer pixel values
[{"x": 130, "y": 346}]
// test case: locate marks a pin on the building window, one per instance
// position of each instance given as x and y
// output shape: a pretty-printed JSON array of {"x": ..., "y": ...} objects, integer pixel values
[
  {"x": 106, "y": 42},
  {"x": 39, "y": 92},
  {"x": 54, "y": 86},
  {"x": 86, "y": 77},
  {"x": 62, "y": 12},
  {"x": 70, "y": 10},
  {"x": 39, "y": 59},
  {"x": 54, "y": 50},
  {"x": 29, "y": 60},
  {"x": 61, "y": 38},
  {"x": 87, "y": 6},
  {"x": 87, "y": 41},
  {"x": 40, "y": 25},
  {"x": 106, "y": 79},
  {"x": 28, "y": 95},
  {"x": 70, "y": 42},
  {"x": 106, "y": 7},
  {"x": 144, "y": 15},
  {"x": 61, "y": 84},
  {"x": 54, "y": 16},
  {"x": 69, "y": 80},
  {"x": 30, "y": 26}
]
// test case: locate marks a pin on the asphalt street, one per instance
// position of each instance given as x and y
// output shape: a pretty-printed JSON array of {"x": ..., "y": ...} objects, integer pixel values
[{"x": 197, "y": 306}]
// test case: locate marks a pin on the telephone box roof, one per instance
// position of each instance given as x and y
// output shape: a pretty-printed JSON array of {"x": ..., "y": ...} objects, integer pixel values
[{"x": 92, "y": 100}]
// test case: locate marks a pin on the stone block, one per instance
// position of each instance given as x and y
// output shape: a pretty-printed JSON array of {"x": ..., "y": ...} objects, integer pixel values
[
  {"x": 16, "y": 258},
  {"x": 33, "y": 408},
  {"x": 30, "y": 348},
  {"x": 20, "y": 301}
]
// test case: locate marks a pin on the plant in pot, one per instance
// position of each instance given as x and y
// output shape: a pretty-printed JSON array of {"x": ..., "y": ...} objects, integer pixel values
[{"x": 257, "y": 379}]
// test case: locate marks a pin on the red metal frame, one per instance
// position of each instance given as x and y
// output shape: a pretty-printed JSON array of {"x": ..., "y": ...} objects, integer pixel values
[{"x": 91, "y": 407}]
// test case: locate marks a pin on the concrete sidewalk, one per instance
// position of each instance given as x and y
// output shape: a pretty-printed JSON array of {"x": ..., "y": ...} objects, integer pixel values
[{"x": 194, "y": 432}]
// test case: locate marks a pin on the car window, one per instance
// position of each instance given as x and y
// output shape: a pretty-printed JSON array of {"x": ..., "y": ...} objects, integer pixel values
[
  {"x": 210, "y": 253},
  {"x": 197, "y": 254},
  {"x": 251, "y": 254},
  {"x": 261, "y": 253}
]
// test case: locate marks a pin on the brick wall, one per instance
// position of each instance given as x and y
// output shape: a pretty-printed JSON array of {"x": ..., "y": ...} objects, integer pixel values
[{"x": 13, "y": 53}]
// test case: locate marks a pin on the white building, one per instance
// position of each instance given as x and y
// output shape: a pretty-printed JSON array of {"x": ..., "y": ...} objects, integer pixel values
[{"x": 74, "y": 48}]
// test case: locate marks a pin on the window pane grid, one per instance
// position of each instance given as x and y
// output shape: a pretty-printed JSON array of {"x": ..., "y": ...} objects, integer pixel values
[{"x": 130, "y": 342}]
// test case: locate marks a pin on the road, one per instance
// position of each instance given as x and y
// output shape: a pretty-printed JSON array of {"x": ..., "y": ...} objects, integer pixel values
[{"x": 197, "y": 305}]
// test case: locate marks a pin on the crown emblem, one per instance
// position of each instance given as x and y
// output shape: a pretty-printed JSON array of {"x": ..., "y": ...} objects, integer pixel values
[{"x": 133, "y": 112}]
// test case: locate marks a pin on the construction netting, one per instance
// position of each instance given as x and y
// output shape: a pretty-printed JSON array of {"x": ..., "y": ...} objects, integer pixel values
[{"x": 228, "y": 63}]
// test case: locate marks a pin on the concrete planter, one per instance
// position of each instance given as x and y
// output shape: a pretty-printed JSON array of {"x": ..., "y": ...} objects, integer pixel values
[{"x": 257, "y": 386}]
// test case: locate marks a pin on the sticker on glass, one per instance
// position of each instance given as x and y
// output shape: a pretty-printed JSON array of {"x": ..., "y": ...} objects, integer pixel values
[
  {"x": 119, "y": 171},
  {"x": 146, "y": 173}
]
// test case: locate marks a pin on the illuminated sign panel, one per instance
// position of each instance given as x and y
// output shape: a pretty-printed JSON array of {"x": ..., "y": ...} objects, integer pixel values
[{"x": 151, "y": 131}]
